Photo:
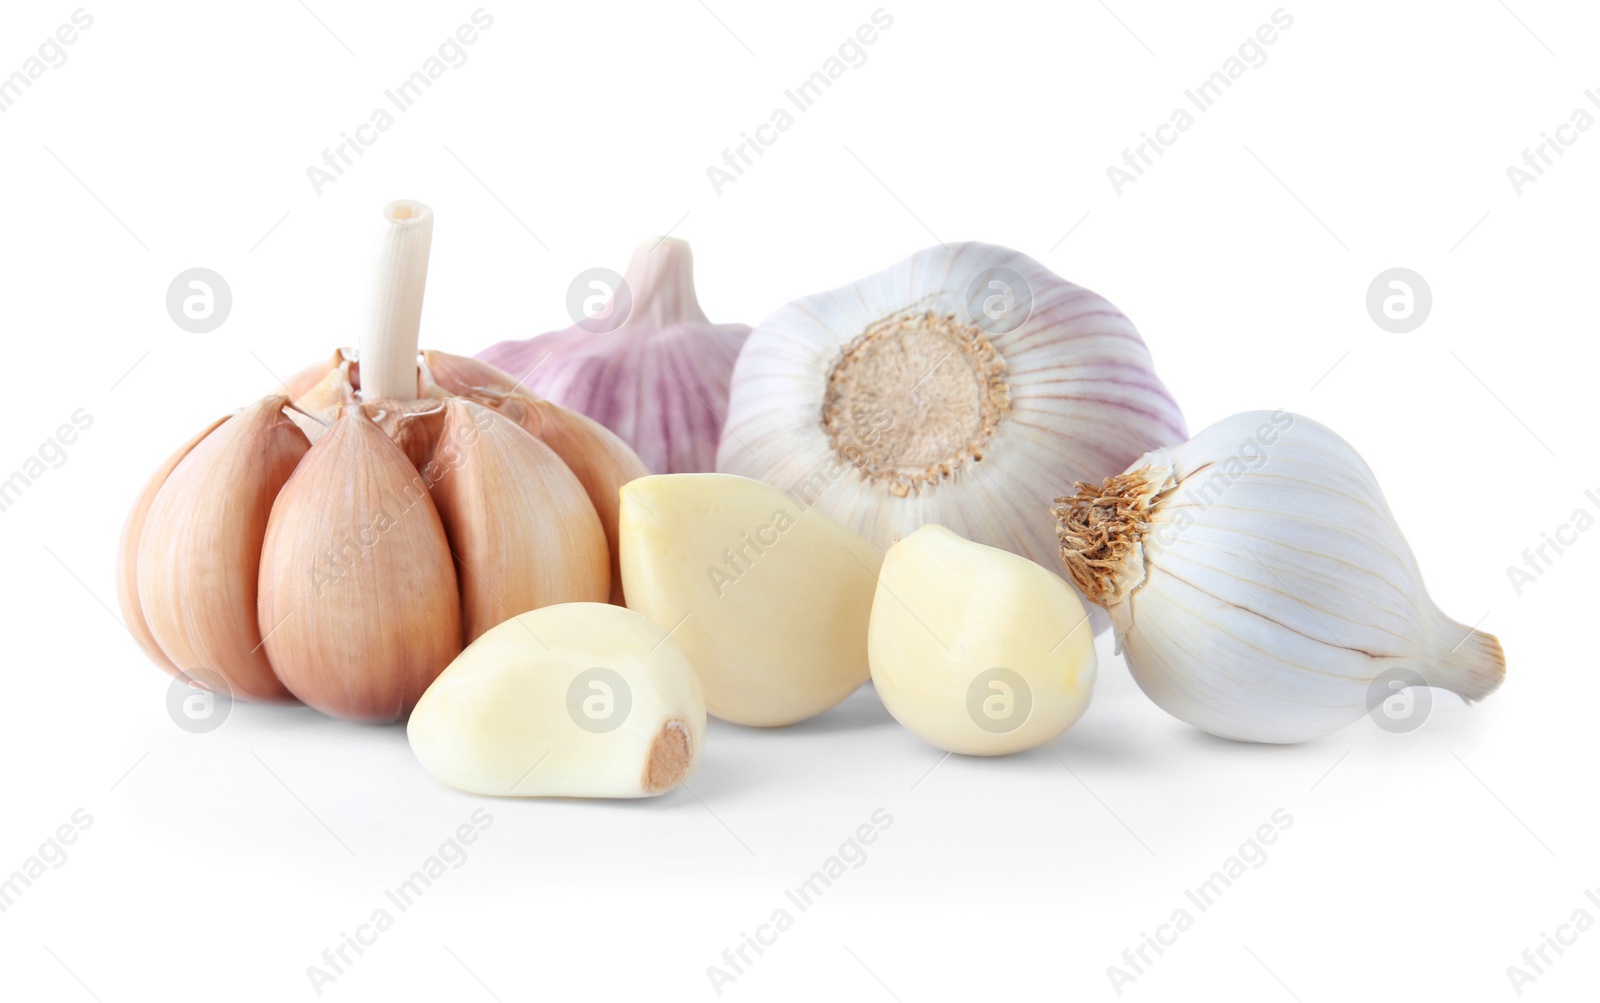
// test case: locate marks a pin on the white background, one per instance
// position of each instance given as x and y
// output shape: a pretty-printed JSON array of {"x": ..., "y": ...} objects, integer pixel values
[{"x": 220, "y": 866}]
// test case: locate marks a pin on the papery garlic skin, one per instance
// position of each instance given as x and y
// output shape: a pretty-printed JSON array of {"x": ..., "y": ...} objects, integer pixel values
[
  {"x": 975, "y": 649},
  {"x": 769, "y": 599},
  {"x": 523, "y": 711},
  {"x": 918, "y": 396},
  {"x": 1258, "y": 584},
  {"x": 658, "y": 376}
]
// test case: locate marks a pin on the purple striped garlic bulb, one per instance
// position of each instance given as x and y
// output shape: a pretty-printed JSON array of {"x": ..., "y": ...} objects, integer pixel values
[
  {"x": 647, "y": 364},
  {"x": 959, "y": 387}
]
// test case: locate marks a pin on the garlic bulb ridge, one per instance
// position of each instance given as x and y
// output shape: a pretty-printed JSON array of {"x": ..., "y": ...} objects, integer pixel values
[{"x": 1258, "y": 585}]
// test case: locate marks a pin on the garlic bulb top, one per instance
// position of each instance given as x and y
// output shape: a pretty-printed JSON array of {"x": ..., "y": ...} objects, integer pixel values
[
  {"x": 961, "y": 387},
  {"x": 649, "y": 366},
  {"x": 1258, "y": 585}
]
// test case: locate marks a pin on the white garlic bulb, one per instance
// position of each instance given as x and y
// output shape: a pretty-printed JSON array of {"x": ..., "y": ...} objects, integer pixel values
[
  {"x": 963, "y": 387},
  {"x": 1258, "y": 585},
  {"x": 647, "y": 364}
]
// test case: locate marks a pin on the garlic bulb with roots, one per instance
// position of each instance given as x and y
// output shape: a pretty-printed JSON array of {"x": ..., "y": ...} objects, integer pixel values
[
  {"x": 648, "y": 365},
  {"x": 1258, "y": 585},
  {"x": 962, "y": 386}
]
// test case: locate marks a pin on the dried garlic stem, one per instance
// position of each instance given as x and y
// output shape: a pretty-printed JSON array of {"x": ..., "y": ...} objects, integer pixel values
[
  {"x": 389, "y": 353},
  {"x": 1100, "y": 529}
]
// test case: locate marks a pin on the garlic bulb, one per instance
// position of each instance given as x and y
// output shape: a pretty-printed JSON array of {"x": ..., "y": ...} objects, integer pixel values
[
  {"x": 575, "y": 700},
  {"x": 768, "y": 598},
  {"x": 339, "y": 545},
  {"x": 960, "y": 387},
  {"x": 648, "y": 365},
  {"x": 975, "y": 649},
  {"x": 1258, "y": 585}
]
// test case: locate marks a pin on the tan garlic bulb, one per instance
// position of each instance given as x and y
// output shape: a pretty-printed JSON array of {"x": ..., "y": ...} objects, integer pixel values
[{"x": 340, "y": 544}]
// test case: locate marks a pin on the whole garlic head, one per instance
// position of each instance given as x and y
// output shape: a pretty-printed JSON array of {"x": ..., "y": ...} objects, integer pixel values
[
  {"x": 960, "y": 387},
  {"x": 649, "y": 365},
  {"x": 1258, "y": 585}
]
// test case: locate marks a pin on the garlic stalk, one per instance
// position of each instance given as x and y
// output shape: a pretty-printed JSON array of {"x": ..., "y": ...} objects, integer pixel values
[
  {"x": 649, "y": 366},
  {"x": 1258, "y": 585},
  {"x": 767, "y": 598},
  {"x": 575, "y": 700},
  {"x": 975, "y": 649},
  {"x": 957, "y": 387}
]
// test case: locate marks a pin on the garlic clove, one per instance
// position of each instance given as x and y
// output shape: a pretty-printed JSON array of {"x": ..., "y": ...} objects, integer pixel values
[
  {"x": 649, "y": 366},
  {"x": 768, "y": 599},
  {"x": 602, "y": 463},
  {"x": 975, "y": 649},
  {"x": 1259, "y": 586},
  {"x": 200, "y": 548},
  {"x": 128, "y": 553},
  {"x": 523, "y": 531},
  {"x": 359, "y": 607},
  {"x": 960, "y": 387},
  {"x": 575, "y": 700}
]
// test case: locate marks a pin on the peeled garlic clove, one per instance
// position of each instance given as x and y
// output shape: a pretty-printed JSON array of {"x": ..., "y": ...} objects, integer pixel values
[
  {"x": 975, "y": 649},
  {"x": 768, "y": 599},
  {"x": 200, "y": 546},
  {"x": 649, "y": 366},
  {"x": 958, "y": 387},
  {"x": 359, "y": 607},
  {"x": 1259, "y": 586},
  {"x": 576, "y": 700},
  {"x": 522, "y": 529},
  {"x": 128, "y": 553}
]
